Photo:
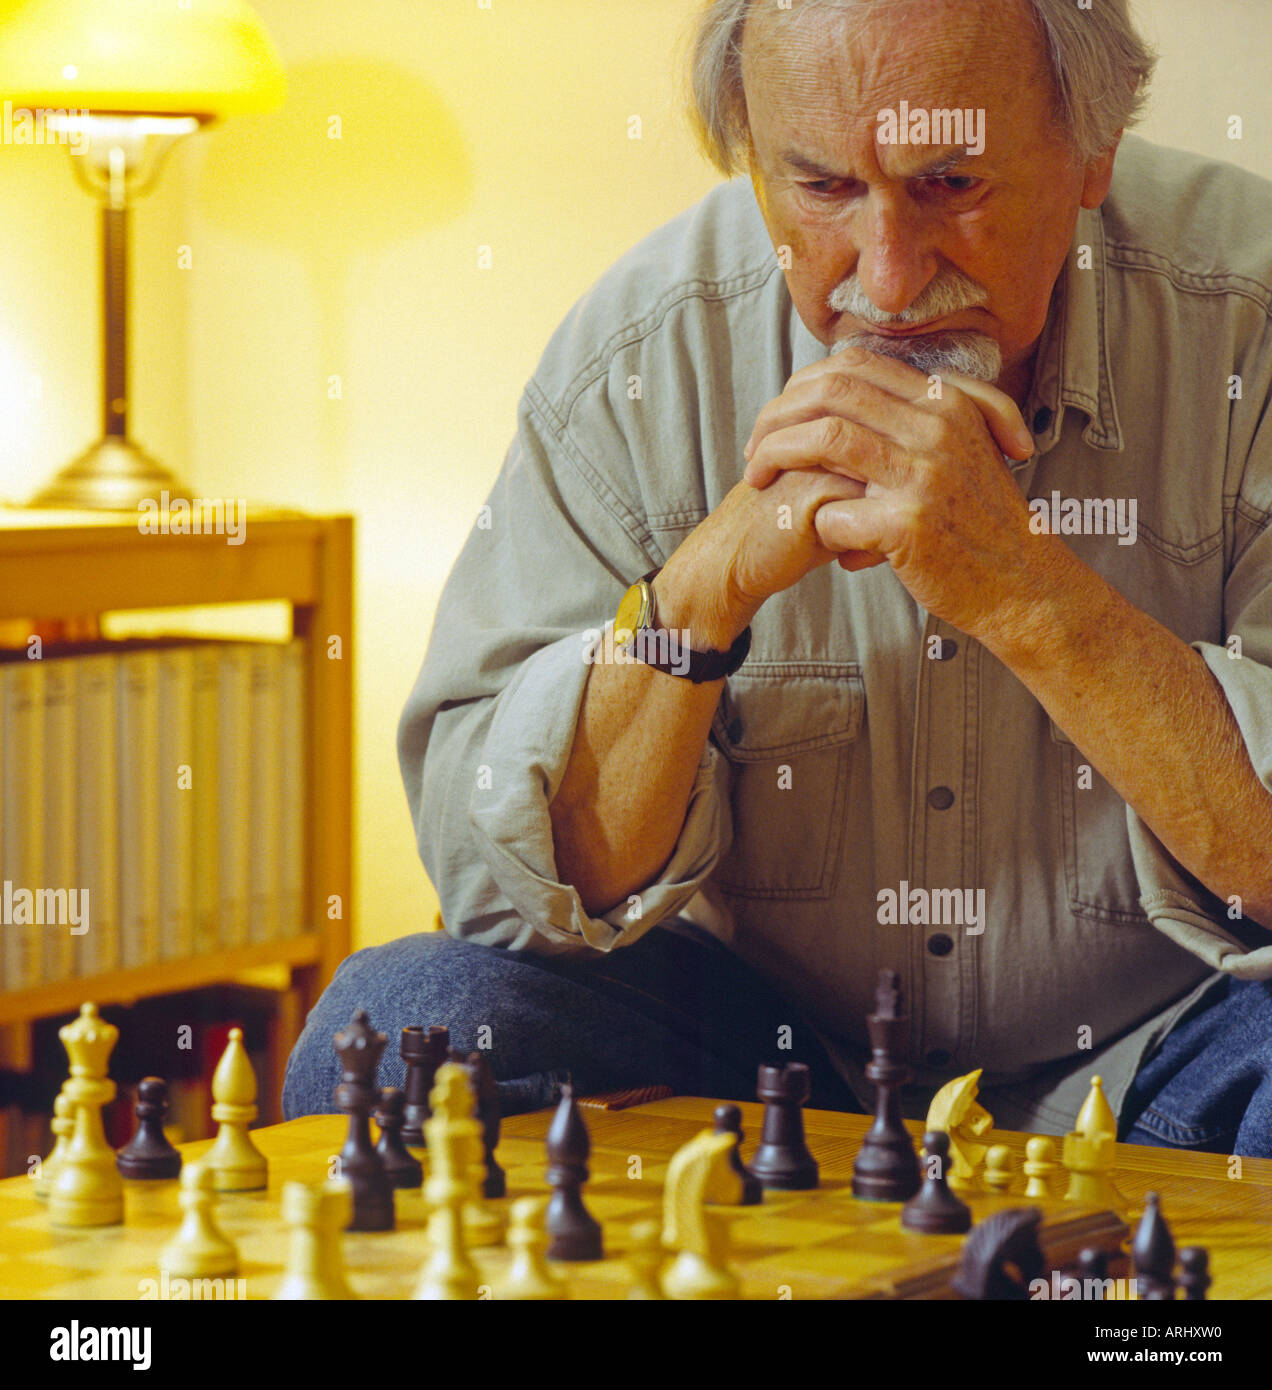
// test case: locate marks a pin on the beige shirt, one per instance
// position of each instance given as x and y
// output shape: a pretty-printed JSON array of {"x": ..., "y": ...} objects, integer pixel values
[{"x": 866, "y": 746}]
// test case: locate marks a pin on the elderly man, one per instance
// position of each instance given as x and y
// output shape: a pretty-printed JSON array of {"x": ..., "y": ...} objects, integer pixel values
[{"x": 941, "y": 457}]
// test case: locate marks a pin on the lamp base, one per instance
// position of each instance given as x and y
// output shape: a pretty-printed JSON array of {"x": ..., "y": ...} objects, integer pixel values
[{"x": 112, "y": 475}]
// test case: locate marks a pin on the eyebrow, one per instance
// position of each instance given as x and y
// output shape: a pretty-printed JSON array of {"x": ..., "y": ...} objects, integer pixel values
[{"x": 942, "y": 164}]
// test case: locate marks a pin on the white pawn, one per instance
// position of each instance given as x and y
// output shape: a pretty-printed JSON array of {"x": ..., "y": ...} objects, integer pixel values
[
  {"x": 200, "y": 1249},
  {"x": 1040, "y": 1165},
  {"x": 999, "y": 1168},
  {"x": 317, "y": 1216},
  {"x": 529, "y": 1276},
  {"x": 63, "y": 1126},
  {"x": 236, "y": 1164}
]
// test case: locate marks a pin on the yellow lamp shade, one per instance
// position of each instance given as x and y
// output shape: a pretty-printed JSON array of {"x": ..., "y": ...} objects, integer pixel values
[{"x": 211, "y": 58}]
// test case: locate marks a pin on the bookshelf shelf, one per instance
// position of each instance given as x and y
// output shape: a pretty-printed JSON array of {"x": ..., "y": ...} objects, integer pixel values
[{"x": 76, "y": 567}]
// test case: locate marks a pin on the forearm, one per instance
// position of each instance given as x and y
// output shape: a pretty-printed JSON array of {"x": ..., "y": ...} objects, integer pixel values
[
  {"x": 621, "y": 805},
  {"x": 1144, "y": 708}
]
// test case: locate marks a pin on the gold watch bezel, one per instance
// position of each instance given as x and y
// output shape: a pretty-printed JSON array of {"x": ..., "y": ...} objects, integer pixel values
[{"x": 635, "y": 611}]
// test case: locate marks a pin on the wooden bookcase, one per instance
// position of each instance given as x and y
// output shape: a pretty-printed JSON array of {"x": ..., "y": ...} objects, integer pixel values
[{"x": 75, "y": 567}]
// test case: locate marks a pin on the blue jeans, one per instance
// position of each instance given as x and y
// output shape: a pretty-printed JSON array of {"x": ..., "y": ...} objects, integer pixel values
[{"x": 676, "y": 1007}]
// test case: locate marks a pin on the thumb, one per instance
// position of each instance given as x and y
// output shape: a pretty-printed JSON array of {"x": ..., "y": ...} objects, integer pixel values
[
  {"x": 853, "y": 524},
  {"x": 1001, "y": 413}
]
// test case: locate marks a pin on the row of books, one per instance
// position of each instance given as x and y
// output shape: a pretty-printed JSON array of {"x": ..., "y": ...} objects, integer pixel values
[{"x": 152, "y": 804}]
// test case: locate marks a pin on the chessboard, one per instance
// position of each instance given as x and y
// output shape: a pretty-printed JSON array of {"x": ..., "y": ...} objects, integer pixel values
[{"x": 817, "y": 1244}]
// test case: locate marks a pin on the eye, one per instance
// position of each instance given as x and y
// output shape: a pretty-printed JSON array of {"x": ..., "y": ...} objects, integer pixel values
[
  {"x": 824, "y": 188},
  {"x": 954, "y": 183}
]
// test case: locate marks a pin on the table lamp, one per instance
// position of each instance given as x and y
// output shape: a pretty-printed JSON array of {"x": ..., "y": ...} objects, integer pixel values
[{"x": 119, "y": 82}]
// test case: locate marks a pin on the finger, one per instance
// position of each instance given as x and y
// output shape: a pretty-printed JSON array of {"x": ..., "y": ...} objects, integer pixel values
[
  {"x": 864, "y": 524},
  {"x": 1001, "y": 413},
  {"x": 836, "y": 393},
  {"x": 831, "y": 443},
  {"x": 855, "y": 560}
]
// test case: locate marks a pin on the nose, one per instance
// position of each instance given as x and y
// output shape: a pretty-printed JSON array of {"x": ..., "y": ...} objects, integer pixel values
[{"x": 895, "y": 261}]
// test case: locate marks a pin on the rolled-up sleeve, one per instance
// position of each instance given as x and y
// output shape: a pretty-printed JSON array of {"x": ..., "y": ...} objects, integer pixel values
[
  {"x": 1176, "y": 903},
  {"x": 486, "y": 734}
]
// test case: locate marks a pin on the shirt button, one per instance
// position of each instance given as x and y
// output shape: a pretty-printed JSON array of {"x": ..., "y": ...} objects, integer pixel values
[
  {"x": 938, "y": 1057},
  {"x": 1042, "y": 419},
  {"x": 940, "y": 944},
  {"x": 949, "y": 649},
  {"x": 940, "y": 798},
  {"x": 735, "y": 731}
]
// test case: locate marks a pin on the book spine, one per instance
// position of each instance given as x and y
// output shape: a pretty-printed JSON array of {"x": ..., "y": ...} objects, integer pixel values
[
  {"x": 97, "y": 818},
  {"x": 60, "y": 869},
  {"x": 205, "y": 772},
  {"x": 293, "y": 803},
  {"x": 176, "y": 802},
  {"x": 22, "y": 873},
  {"x": 265, "y": 665},
  {"x": 233, "y": 793},
  {"x": 137, "y": 748}
]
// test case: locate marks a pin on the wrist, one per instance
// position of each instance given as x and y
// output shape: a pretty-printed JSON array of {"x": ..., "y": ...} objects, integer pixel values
[{"x": 698, "y": 600}]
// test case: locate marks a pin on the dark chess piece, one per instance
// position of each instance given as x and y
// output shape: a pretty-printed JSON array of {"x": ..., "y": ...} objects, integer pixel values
[
  {"x": 487, "y": 1112},
  {"x": 887, "y": 1167},
  {"x": 148, "y": 1155},
  {"x": 782, "y": 1160},
  {"x": 1093, "y": 1270},
  {"x": 575, "y": 1234},
  {"x": 935, "y": 1210},
  {"x": 359, "y": 1047},
  {"x": 1194, "y": 1275},
  {"x": 402, "y": 1167},
  {"x": 1001, "y": 1257},
  {"x": 423, "y": 1052},
  {"x": 1153, "y": 1253},
  {"x": 728, "y": 1120}
]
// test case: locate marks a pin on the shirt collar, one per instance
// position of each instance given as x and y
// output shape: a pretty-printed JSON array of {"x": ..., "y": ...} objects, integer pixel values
[{"x": 1072, "y": 365}]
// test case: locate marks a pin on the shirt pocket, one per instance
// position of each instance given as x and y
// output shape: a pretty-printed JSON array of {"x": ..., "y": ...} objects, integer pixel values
[
  {"x": 1099, "y": 873},
  {"x": 788, "y": 737}
]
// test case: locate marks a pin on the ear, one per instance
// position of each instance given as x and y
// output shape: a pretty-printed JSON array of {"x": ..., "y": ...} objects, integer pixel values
[{"x": 1099, "y": 175}]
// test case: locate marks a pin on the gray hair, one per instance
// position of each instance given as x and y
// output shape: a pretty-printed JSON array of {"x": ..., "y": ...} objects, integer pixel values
[{"x": 1100, "y": 68}]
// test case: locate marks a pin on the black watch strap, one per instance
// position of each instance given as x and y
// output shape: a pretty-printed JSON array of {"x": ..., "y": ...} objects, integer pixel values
[{"x": 663, "y": 649}]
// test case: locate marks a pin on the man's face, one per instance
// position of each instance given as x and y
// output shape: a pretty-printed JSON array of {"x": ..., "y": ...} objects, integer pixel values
[{"x": 887, "y": 237}]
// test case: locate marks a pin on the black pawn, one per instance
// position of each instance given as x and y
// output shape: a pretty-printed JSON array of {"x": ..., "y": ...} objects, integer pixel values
[
  {"x": 887, "y": 1168},
  {"x": 359, "y": 1047},
  {"x": 935, "y": 1210},
  {"x": 728, "y": 1120},
  {"x": 148, "y": 1155},
  {"x": 1093, "y": 1270},
  {"x": 1194, "y": 1275},
  {"x": 1153, "y": 1253},
  {"x": 575, "y": 1234},
  {"x": 782, "y": 1160},
  {"x": 488, "y": 1113},
  {"x": 402, "y": 1167},
  {"x": 423, "y": 1052}
]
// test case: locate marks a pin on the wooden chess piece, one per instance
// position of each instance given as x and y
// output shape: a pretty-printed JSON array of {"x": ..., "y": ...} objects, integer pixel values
[
  {"x": 358, "y": 1047},
  {"x": 886, "y": 1168},
  {"x": 935, "y": 1210},
  {"x": 736, "y": 1185},
  {"x": 1040, "y": 1166},
  {"x": 1093, "y": 1270},
  {"x": 575, "y": 1233},
  {"x": 200, "y": 1249},
  {"x": 148, "y": 1156},
  {"x": 529, "y": 1276},
  {"x": 999, "y": 1169},
  {"x": 234, "y": 1161},
  {"x": 86, "y": 1189},
  {"x": 454, "y": 1139},
  {"x": 404, "y": 1170},
  {"x": 954, "y": 1109},
  {"x": 645, "y": 1258},
  {"x": 1153, "y": 1253},
  {"x": 1194, "y": 1276},
  {"x": 63, "y": 1126},
  {"x": 316, "y": 1216},
  {"x": 1089, "y": 1154},
  {"x": 1001, "y": 1258},
  {"x": 782, "y": 1159},
  {"x": 488, "y": 1114},
  {"x": 698, "y": 1236},
  {"x": 423, "y": 1052}
]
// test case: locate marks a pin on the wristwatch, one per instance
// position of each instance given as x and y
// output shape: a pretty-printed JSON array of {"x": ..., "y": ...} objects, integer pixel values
[{"x": 636, "y": 628}]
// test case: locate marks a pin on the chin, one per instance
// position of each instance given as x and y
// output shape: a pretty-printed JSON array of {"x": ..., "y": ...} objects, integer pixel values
[{"x": 965, "y": 354}]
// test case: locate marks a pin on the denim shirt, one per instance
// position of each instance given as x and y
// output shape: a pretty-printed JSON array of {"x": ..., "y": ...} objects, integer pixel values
[{"x": 866, "y": 745}]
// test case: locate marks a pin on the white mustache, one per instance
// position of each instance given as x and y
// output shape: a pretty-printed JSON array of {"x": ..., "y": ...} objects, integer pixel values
[{"x": 950, "y": 293}]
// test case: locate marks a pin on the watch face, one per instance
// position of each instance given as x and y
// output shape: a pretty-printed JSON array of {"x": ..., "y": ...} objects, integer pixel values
[{"x": 627, "y": 619}]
